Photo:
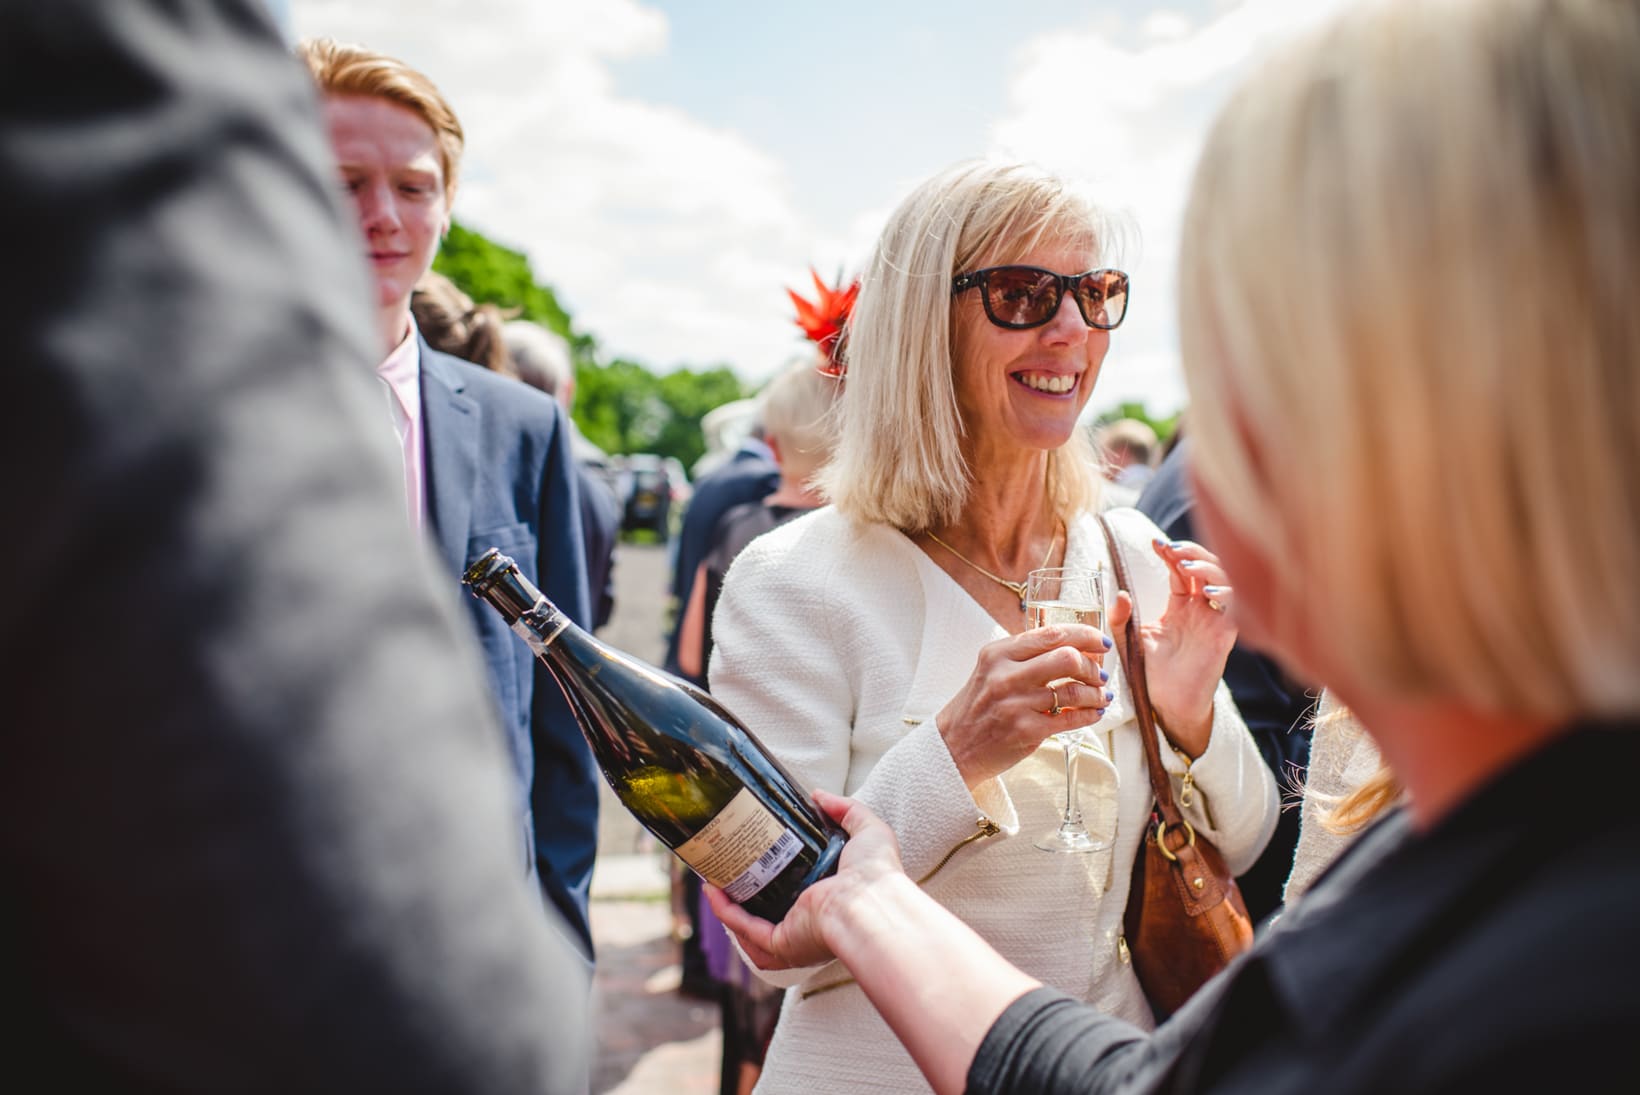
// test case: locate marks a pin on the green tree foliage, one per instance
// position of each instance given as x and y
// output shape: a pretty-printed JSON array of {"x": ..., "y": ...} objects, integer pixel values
[
  {"x": 487, "y": 271},
  {"x": 623, "y": 407},
  {"x": 620, "y": 406},
  {"x": 689, "y": 395},
  {"x": 1164, "y": 427}
]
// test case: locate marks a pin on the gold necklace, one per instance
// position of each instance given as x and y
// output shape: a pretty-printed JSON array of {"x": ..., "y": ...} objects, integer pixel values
[{"x": 1016, "y": 588}]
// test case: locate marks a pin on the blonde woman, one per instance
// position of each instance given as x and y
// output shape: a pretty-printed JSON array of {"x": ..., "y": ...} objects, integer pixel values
[
  {"x": 879, "y": 645},
  {"x": 1425, "y": 491}
]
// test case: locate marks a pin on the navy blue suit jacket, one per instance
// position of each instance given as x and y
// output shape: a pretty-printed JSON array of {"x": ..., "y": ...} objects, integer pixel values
[
  {"x": 500, "y": 474},
  {"x": 601, "y": 524},
  {"x": 747, "y": 477}
]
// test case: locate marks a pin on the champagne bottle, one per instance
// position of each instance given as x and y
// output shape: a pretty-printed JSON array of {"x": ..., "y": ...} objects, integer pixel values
[{"x": 687, "y": 769}]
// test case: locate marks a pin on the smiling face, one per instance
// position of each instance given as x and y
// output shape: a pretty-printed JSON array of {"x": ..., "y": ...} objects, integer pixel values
[
  {"x": 1024, "y": 390},
  {"x": 389, "y": 160}
]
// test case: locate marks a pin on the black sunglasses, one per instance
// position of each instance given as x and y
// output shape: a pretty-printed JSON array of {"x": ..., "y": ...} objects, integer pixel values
[{"x": 1022, "y": 297}]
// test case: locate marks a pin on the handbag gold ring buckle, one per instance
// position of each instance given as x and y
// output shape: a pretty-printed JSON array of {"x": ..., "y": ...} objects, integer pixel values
[{"x": 1161, "y": 830}]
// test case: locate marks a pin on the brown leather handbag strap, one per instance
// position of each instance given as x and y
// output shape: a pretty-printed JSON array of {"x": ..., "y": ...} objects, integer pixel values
[{"x": 1132, "y": 653}]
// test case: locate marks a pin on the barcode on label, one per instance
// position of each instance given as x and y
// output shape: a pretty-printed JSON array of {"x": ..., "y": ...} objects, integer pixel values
[
  {"x": 777, "y": 853},
  {"x": 769, "y": 864}
]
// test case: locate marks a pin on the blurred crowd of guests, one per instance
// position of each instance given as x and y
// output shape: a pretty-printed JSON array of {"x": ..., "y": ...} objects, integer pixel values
[{"x": 354, "y": 820}]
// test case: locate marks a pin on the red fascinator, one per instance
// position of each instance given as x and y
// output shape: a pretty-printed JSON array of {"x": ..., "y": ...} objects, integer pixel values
[{"x": 825, "y": 319}]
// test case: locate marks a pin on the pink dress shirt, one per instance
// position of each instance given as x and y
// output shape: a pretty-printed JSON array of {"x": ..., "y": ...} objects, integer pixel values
[{"x": 401, "y": 375}]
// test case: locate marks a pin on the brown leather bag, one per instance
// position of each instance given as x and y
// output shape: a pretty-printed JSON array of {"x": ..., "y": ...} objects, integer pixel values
[{"x": 1185, "y": 918}]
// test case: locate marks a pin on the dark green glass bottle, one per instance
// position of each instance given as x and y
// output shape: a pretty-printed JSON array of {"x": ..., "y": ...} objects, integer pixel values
[{"x": 687, "y": 769}]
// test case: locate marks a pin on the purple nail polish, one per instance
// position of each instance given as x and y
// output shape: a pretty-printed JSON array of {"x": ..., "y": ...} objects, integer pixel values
[
  {"x": 1107, "y": 642},
  {"x": 1103, "y": 676}
]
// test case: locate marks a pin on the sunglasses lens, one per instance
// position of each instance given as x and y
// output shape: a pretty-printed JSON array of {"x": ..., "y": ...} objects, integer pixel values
[
  {"x": 1103, "y": 296},
  {"x": 1020, "y": 296}
]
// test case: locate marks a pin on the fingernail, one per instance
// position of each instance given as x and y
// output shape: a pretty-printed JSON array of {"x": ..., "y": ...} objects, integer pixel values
[
  {"x": 1159, "y": 542},
  {"x": 1110, "y": 697},
  {"x": 1175, "y": 543},
  {"x": 1107, "y": 641},
  {"x": 1186, "y": 564},
  {"x": 1103, "y": 676},
  {"x": 1213, "y": 591}
]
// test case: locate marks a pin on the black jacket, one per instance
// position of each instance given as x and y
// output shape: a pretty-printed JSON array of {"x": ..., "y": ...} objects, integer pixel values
[{"x": 1495, "y": 953}]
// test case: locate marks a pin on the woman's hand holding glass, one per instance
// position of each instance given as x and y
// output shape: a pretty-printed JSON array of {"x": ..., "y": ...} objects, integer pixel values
[
  {"x": 1006, "y": 709},
  {"x": 1057, "y": 595}
]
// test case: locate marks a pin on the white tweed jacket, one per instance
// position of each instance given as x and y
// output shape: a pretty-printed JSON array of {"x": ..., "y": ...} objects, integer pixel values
[{"x": 837, "y": 643}]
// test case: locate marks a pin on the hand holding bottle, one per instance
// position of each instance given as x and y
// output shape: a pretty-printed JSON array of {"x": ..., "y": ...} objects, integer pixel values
[
  {"x": 936, "y": 982},
  {"x": 1003, "y": 712},
  {"x": 871, "y": 857},
  {"x": 681, "y": 763}
]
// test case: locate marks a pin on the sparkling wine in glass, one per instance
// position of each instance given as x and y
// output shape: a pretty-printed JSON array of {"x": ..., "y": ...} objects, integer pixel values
[{"x": 1068, "y": 595}]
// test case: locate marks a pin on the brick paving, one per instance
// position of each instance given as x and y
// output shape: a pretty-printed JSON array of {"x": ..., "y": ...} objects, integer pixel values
[{"x": 652, "y": 1040}]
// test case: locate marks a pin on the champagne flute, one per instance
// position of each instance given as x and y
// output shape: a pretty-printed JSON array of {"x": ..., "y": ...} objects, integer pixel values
[{"x": 1068, "y": 595}]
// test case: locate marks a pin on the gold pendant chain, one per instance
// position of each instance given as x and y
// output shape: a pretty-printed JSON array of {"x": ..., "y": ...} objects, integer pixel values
[{"x": 1016, "y": 588}]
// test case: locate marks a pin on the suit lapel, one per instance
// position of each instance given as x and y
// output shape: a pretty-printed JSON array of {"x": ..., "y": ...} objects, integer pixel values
[{"x": 451, "y": 423}]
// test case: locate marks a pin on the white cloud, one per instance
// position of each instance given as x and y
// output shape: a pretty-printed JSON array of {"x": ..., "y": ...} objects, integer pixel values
[
  {"x": 656, "y": 228},
  {"x": 670, "y": 239},
  {"x": 1165, "y": 25},
  {"x": 1159, "y": 93}
]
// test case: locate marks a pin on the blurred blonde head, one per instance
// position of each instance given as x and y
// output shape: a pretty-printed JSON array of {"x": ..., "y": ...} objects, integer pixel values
[
  {"x": 542, "y": 359},
  {"x": 1126, "y": 441},
  {"x": 1409, "y": 327},
  {"x": 899, "y": 458},
  {"x": 796, "y": 407}
]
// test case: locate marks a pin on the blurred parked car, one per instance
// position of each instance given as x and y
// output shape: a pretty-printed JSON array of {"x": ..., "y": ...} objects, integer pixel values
[
  {"x": 604, "y": 467},
  {"x": 656, "y": 488}
]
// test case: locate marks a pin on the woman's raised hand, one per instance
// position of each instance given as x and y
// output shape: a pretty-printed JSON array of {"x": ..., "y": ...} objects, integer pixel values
[
  {"x": 1186, "y": 646},
  {"x": 1024, "y": 688}
]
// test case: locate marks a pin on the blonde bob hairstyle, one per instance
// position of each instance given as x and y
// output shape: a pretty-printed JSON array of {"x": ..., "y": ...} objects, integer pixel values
[
  {"x": 1410, "y": 333},
  {"x": 899, "y": 458},
  {"x": 340, "y": 69}
]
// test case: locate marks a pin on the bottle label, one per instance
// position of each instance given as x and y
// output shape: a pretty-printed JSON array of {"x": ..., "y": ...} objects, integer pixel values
[
  {"x": 539, "y": 640},
  {"x": 742, "y": 849}
]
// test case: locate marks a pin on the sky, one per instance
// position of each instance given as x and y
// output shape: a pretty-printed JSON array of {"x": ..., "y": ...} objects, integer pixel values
[{"x": 672, "y": 167}]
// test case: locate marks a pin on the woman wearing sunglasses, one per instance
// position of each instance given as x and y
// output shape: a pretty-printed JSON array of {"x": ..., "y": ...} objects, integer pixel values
[
  {"x": 879, "y": 646},
  {"x": 1429, "y": 503}
]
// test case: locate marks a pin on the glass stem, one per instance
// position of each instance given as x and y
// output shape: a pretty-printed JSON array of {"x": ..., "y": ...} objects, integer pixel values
[{"x": 1073, "y": 752}]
